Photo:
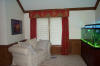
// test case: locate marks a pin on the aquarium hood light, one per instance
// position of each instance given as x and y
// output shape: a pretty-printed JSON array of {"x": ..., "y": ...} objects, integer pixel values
[{"x": 92, "y": 26}]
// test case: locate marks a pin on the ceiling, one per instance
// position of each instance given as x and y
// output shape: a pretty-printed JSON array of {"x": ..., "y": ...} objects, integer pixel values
[{"x": 56, "y": 4}]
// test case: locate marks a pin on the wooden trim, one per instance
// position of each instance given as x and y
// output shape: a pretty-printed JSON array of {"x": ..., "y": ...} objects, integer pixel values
[
  {"x": 82, "y": 8},
  {"x": 20, "y": 5},
  {"x": 97, "y": 3},
  {"x": 70, "y": 9}
]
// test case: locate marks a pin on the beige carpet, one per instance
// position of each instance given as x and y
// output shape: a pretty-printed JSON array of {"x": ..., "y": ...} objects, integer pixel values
[{"x": 59, "y": 60}]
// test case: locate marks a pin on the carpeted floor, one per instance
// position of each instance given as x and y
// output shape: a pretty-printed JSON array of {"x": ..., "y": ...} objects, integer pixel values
[{"x": 59, "y": 60}]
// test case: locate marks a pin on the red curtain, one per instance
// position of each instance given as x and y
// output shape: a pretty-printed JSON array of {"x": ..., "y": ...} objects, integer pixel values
[
  {"x": 33, "y": 28},
  {"x": 65, "y": 36}
]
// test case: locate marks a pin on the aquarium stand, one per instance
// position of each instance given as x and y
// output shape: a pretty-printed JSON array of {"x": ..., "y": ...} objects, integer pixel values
[{"x": 90, "y": 54}]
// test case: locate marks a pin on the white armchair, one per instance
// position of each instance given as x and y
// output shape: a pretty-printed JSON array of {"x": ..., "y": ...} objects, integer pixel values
[{"x": 28, "y": 54}]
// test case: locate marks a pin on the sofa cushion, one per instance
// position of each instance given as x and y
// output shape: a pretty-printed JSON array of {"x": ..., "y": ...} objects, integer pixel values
[
  {"x": 42, "y": 44},
  {"x": 41, "y": 54},
  {"x": 33, "y": 42}
]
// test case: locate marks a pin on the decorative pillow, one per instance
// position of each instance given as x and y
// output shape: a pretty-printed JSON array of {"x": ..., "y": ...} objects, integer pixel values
[
  {"x": 23, "y": 44},
  {"x": 26, "y": 45},
  {"x": 33, "y": 42}
]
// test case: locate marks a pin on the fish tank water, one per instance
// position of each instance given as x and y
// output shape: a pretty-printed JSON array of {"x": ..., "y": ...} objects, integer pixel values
[{"x": 90, "y": 34}]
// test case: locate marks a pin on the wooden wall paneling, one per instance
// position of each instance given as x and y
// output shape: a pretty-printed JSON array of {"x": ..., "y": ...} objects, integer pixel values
[
  {"x": 5, "y": 56},
  {"x": 75, "y": 46},
  {"x": 55, "y": 50}
]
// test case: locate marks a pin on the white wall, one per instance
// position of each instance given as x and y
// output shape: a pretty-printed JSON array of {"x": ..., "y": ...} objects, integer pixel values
[
  {"x": 11, "y": 10},
  {"x": 27, "y": 26},
  {"x": 3, "y": 25},
  {"x": 98, "y": 14},
  {"x": 77, "y": 19}
]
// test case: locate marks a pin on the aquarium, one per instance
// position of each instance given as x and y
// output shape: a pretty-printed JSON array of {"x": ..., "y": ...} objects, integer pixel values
[{"x": 91, "y": 35}]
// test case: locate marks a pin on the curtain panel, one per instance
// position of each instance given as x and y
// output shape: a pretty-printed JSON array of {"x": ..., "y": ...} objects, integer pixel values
[
  {"x": 49, "y": 13},
  {"x": 65, "y": 36},
  {"x": 33, "y": 32}
]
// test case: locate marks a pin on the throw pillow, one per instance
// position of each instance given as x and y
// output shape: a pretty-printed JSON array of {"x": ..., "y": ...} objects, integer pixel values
[{"x": 27, "y": 46}]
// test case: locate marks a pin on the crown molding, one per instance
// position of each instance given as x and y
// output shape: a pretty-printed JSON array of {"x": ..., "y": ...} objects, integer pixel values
[
  {"x": 82, "y": 8},
  {"x": 70, "y": 9},
  {"x": 20, "y": 5},
  {"x": 97, "y": 3}
]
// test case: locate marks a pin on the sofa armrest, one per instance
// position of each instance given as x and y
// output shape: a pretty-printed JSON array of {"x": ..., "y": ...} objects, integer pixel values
[{"x": 19, "y": 50}]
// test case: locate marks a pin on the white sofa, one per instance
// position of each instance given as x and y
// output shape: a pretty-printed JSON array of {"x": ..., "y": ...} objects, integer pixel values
[{"x": 30, "y": 52}]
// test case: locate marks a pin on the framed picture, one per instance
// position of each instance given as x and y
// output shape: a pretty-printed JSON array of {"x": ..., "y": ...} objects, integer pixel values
[{"x": 16, "y": 26}]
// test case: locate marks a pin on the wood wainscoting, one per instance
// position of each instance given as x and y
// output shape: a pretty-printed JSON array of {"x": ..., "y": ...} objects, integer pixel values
[
  {"x": 56, "y": 50},
  {"x": 74, "y": 47},
  {"x": 5, "y": 55}
]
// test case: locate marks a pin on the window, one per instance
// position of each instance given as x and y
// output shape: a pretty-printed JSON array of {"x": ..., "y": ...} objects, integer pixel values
[
  {"x": 56, "y": 30},
  {"x": 42, "y": 29},
  {"x": 55, "y": 25}
]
